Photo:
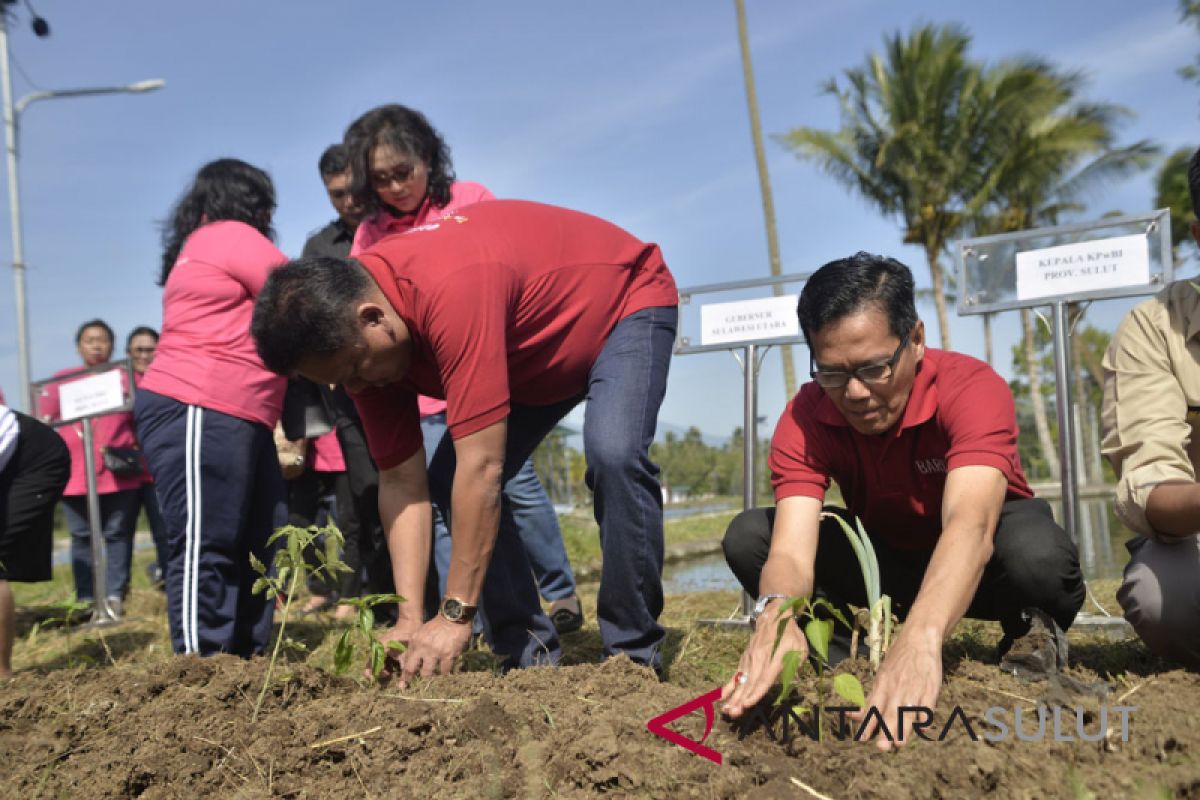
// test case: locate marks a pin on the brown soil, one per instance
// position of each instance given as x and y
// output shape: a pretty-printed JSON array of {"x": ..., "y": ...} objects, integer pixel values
[{"x": 181, "y": 728}]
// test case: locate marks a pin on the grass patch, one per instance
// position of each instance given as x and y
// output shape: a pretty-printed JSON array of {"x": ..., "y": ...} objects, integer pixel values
[{"x": 581, "y": 534}]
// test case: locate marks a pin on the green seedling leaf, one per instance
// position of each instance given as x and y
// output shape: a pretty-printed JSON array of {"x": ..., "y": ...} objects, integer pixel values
[
  {"x": 378, "y": 657},
  {"x": 397, "y": 646},
  {"x": 796, "y": 606},
  {"x": 376, "y": 599},
  {"x": 819, "y": 632},
  {"x": 787, "y": 675},
  {"x": 257, "y": 565},
  {"x": 261, "y": 586},
  {"x": 366, "y": 621},
  {"x": 849, "y": 689},
  {"x": 343, "y": 652},
  {"x": 293, "y": 644},
  {"x": 833, "y": 611}
]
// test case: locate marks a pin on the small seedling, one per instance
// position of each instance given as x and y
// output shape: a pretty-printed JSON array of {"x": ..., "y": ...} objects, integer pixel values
[
  {"x": 879, "y": 606},
  {"x": 67, "y": 611},
  {"x": 364, "y": 627},
  {"x": 290, "y": 568},
  {"x": 818, "y": 631}
]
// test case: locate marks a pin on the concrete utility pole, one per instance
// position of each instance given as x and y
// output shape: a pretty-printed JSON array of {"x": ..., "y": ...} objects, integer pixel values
[
  {"x": 12, "y": 113},
  {"x": 764, "y": 181}
]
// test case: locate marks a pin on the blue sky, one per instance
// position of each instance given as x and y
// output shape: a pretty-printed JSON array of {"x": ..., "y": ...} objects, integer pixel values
[{"x": 630, "y": 110}]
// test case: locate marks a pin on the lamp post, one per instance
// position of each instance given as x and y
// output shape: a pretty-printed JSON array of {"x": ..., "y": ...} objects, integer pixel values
[{"x": 11, "y": 114}]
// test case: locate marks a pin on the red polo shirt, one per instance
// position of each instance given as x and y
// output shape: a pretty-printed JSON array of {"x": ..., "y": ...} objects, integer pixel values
[
  {"x": 507, "y": 302},
  {"x": 960, "y": 413}
]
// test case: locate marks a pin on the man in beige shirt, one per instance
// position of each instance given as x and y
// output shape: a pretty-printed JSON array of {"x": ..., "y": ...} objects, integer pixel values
[{"x": 1151, "y": 425}]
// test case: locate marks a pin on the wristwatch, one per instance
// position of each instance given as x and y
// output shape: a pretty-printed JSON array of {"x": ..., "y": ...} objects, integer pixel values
[
  {"x": 761, "y": 606},
  {"x": 458, "y": 611}
]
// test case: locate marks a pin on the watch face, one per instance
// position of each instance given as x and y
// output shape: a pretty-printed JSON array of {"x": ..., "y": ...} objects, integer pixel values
[{"x": 452, "y": 609}]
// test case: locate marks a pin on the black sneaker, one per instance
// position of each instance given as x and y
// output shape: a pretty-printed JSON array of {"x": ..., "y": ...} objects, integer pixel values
[
  {"x": 1039, "y": 652},
  {"x": 567, "y": 621}
]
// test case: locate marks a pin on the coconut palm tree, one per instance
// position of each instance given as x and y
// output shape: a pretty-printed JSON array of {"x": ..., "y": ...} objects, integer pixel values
[
  {"x": 1171, "y": 192},
  {"x": 1058, "y": 150},
  {"x": 917, "y": 122}
]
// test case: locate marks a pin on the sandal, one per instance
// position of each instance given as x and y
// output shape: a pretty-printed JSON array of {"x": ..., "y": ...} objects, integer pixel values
[{"x": 322, "y": 603}]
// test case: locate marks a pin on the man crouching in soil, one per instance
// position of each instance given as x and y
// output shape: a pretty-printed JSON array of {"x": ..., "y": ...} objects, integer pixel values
[
  {"x": 513, "y": 312},
  {"x": 923, "y": 444}
]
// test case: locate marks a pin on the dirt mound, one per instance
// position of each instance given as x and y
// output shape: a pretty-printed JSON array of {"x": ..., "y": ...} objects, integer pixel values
[{"x": 182, "y": 729}]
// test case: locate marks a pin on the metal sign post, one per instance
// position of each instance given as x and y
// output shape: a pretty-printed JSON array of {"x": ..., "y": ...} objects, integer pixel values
[
  {"x": 80, "y": 397},
  {"x": 747, "y": 329},
  {"x": 1110, "y": 258}
]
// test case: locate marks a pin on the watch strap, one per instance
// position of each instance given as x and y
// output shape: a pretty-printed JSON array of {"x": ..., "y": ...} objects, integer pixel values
[{"x": 761, "y": 605}]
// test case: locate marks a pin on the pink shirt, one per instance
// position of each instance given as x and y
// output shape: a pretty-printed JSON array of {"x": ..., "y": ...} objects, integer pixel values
[
  {"x": 206, "y": 356},
  {"x": 326, "y": 453},
  {"x": 383, "y": 224},
  {"x": 111, "y": 429}
]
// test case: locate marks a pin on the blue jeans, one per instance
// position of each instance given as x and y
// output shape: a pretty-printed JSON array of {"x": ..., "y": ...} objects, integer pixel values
[
  {"x": 625, "y": 390},
  {"x": 533, "y": 514},
  {"x": 118, "y": 520}
]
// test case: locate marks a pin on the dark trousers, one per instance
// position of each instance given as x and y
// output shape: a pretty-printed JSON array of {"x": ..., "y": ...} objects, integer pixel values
[
  {"x": 221, "y": 495},
  {"x": 1034, "y": 564},
  {"x": 625, "y": 389},
  {"x": 158, "y": 527},
  {"x": 370, "y": 545},
  {"x": 30, "y": 484},
  {"x": 317, "y": 499}
]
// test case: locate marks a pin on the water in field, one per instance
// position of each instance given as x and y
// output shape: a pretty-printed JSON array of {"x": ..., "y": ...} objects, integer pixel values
[{"x": 1101, "y": 543}]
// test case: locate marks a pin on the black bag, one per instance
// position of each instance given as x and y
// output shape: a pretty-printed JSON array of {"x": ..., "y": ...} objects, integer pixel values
[
  {"x": 305, "y": 414},
  {"x": 122, "y": 461}
]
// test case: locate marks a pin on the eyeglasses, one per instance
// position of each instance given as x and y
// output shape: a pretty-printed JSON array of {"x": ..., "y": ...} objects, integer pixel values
[
  {"x": 400, "y": 175},
  {"x": 141, "y": 351},
  {"x": 869, "y": 373}
]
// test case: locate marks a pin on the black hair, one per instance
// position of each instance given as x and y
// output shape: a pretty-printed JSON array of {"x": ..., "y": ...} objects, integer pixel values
[
  {"x": 1194, "y": 182},
  {"x": 138, "y": 331},
  {"x": 226, "y": 189},
  {"x": 409, "y": 132},
  {"x": 334, "y": 161},
  {"x": 306, "y": 308},
  {"x": 848, "y": 285},
  {"x": 95, "y": 323}
]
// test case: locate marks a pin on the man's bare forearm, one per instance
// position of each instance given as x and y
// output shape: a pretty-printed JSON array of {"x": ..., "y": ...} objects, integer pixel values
[
  {"x": 407, "y": 519},
  {"x": 408, "y": 538},
  {"x": 951, "y": 580},
  {"x": 787, "y": 575},
  {"x": 475, "y": 514}
]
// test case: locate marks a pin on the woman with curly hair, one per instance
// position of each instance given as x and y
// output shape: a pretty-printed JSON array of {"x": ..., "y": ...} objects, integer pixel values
[
  {"x": 206, "y": 410},
  {"x": 401, "y": 173}
]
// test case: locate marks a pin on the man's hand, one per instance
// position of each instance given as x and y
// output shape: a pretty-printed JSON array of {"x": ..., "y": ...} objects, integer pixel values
[
  {"x": 433, "y": 649},
  {"x": 911, "y": 675},
  {"x": 758, "y": 665},
  {"x": 402, "y": 632}
]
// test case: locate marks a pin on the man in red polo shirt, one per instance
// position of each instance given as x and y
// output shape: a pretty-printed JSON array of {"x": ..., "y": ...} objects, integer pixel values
[
  {"x": 923, "y": 444},
  {"x": 513, "y": 312}
]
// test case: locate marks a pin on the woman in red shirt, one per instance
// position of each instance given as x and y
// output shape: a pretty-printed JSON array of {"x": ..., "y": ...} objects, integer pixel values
[{"x": 118, "y": 492}]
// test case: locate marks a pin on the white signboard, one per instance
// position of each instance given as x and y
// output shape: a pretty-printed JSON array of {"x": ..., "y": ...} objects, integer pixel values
[
  {"x": 749, "y": 320},
  {"x": 1111, "y": 263},
  {"x": 91, "y": 395}
]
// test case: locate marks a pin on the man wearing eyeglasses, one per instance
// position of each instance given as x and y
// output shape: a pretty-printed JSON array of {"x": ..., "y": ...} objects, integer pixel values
[{"x": 923, "y": 445}]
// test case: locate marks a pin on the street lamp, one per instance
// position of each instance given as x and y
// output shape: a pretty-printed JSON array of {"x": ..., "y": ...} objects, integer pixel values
[{"x": 11, "y": 114}]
